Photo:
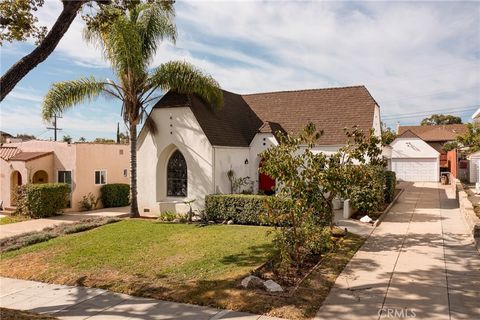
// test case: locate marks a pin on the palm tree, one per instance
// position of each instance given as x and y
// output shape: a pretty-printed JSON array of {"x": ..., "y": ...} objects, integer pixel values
[{"x": 129, "y": 43}]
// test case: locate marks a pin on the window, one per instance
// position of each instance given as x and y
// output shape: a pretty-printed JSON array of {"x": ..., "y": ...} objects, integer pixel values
[
  {"x": 177, "y": 175},
  {"x": 100, "y": 177},
  {"x": 125, "y": 173},
  {"x": 120, "y": 151},
  {"x": 66, "y": 177}
]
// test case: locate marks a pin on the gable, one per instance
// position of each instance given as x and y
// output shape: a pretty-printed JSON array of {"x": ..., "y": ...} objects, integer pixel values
[
  {"x": 447, "y": 132},
  {"x": 243, "y": 116},
  {"x": 412, "y": 147}
]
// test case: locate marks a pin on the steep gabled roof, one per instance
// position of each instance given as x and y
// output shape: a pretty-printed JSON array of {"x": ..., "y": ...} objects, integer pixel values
[
  {"x": 242, "y": 116},
  {"x": 448, "y": 132}
]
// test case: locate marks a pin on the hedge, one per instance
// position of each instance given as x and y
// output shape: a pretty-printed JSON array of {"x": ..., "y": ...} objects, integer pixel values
[
  {"x": 367, "y": 190},
  {"x": 115, "y": 195},
  {"x": 390, "y": 183},
  {"x": 42, "y": 200},
  {"x": 241, "y": 208}
]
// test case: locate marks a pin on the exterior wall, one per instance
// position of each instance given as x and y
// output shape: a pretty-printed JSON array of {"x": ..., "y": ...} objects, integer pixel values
[
  {"x": 177, "y": 128},
  {"x": 234, "y": 159},
  {"x": 113, "y": 158},
  {"x": 474, "y": 167},
  {"x": 412, "y": 148},
  {"x": 260, "y": 143},
  {"x": 377, "y": 125}
]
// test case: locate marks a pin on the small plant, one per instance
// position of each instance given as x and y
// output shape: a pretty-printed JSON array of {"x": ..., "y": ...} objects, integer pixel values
[
  {"x": 88, "y": 202},
  {"x": 190, "y": 211},
  {"x": 168, "y": 216}
]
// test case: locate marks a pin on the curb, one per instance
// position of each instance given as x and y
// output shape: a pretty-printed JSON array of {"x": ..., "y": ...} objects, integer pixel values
[{"x": 385, "y": 212}]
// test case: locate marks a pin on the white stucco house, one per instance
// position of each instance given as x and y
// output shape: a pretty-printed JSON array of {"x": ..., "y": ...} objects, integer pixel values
[
  {"x": 194, "y": 147},
  {"x": 476, "y": 116},
  {"x": 413, "y": 159},
  {"x": 474, "y": 167}
]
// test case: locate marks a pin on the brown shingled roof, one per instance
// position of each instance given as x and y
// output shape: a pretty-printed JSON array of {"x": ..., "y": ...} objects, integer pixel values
[
  {"x": 8, "y": 152},
  {"x": 242, "y": 116},
  {"x": 27, "y": 156},
  {"x": 446, "y": 132}
]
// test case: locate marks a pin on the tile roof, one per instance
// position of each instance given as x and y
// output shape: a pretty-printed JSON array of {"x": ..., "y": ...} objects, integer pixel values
[
  {"x": 446, "y": 132},
  {"x": 27, "y": 156},
  {"x": 243, "y": 116},
  {"x": 8, "y": 152}
]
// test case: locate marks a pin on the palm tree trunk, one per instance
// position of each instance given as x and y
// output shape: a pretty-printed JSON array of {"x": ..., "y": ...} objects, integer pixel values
[
  {"x": 20, "y": 69},
  {"x": 133, "y": 172}
]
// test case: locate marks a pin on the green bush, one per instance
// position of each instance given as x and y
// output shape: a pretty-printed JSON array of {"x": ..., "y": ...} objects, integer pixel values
[
  {"x": 42, "y": 200},
  {"x": 390, "y": 183},
  {"x": 241, "y": 208},
  {"x": 115, "y": 195},
  {"x": 367, "y": 190}
]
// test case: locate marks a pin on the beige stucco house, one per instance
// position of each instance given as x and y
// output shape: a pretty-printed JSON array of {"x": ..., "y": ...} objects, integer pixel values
[
  {"x": 86, "y": 166},
  {"x": 188, "y": 157}
]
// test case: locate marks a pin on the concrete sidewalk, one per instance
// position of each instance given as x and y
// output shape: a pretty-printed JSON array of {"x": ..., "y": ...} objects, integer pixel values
[
  {"x": 419, "y": 263},
  {"x": 76, "y": 303},
  {"x": 17, "y": 228}
]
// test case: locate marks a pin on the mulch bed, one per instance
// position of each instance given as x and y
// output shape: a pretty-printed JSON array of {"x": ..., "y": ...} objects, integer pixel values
[{"x": 10, "y": 314}]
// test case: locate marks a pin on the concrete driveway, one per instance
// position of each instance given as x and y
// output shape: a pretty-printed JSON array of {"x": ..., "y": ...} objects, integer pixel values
[
  {"x": 17, "y": 228},
  {"x": 419, "y": 263}
]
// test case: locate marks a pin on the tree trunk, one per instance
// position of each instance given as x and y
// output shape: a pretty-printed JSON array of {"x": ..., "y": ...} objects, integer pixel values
[
  {"x": 22, "y": 67},
  {"x": 133, "y": 172}
]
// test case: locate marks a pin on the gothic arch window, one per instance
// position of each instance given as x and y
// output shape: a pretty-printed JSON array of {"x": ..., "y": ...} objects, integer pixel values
[{"x": 177, "y": 175}]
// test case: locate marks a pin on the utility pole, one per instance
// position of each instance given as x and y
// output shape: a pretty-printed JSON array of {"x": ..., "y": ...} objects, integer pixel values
[{"x": 55, "y": 129}]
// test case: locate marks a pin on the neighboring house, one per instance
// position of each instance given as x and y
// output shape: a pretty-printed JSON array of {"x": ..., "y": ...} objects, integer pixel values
[
  {"x": 4, "y": 136},
  {"x": 421, "y": 167},
  {"x": 194, "y": 148},
  {"x": 474, "y": 167},
  {"x": 86, "y": 166},
  {"x": 476, "y": 116}
]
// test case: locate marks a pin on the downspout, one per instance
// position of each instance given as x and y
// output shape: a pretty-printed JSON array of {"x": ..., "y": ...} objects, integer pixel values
[{"x": 213, "y": 168}]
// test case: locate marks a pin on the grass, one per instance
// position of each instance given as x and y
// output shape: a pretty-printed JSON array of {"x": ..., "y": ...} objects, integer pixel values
[
  {"x": 11, "y": 314},
  {"x": 13, "y": 219},
  {"x": 176, "y": 262}
]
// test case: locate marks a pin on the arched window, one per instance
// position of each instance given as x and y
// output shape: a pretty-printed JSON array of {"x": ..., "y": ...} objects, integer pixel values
[{"x": 177, "y": 175}]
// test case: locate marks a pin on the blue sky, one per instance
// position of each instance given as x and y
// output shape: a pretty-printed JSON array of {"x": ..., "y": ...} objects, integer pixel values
[{"x": 414, "y": 57}]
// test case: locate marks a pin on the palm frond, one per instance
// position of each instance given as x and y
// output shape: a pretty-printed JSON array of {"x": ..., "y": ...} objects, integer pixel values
[
  {"x": 66, "y": 94},
  {"x": 183, "y": 77}
]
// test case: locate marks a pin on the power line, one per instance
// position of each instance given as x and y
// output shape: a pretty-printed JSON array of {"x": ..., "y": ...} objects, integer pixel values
[
  {"x": 54, "y": 128},
  {"x": 450, "y": 110}
]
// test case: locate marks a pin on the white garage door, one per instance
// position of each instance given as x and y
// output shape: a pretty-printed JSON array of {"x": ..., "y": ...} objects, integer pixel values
[{"x": 415, "y": 169}]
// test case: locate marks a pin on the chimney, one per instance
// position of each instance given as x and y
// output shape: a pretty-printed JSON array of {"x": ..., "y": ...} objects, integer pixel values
[{"x": 398, "y": 127}]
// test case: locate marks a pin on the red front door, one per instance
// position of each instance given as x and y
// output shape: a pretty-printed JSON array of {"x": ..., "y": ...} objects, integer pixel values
[{"x": 265, "y": 183}]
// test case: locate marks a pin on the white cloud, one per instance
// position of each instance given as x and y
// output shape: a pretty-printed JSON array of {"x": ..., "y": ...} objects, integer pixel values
[{"x": 411, "y": 56}]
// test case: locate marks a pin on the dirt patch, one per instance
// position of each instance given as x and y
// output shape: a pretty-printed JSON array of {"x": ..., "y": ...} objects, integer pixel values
[{"x": 10, "y": 314}]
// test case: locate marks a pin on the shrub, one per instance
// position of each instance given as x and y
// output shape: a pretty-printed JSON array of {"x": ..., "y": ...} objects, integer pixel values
[
  {"x": 168, "y": 216},
  {"x": 88, "y": 202},
  {"x": 367, "y": 190},
  {"x": 115, "y": 195},
  {"x": 42, "y": 200},
  {"x": 390, "y": 183},
  {"x": 241, "y": 208}
]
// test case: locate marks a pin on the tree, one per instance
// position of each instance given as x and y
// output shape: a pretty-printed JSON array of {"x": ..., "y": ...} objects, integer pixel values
[
  {"x": 18, "y": 23},
  {"x": 437, "y": 119},
  {"x": 82, "y": 139},
  {"x": 470, "y": 140},
  {"x": 129, "y": 43},
  {"x": 25, "y": 136},
  {"x": 302, "y": 208},
  {"x": 67, "y": 139},
  {"x": 103, "y": 140},
  {"x": 388, "y": 135}
]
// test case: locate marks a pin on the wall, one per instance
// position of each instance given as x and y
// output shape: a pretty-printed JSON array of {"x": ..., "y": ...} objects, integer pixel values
[
  {"x": 114, "y": 158},
  {"x": 474, "y": 167},
  {"x": 227, "y": 158},
  {"x": 260, "y": 143},
  {"x": 176, "y": 128},
  {"x": 452, "y": 162},
  {"x": 412, "y": 148}
]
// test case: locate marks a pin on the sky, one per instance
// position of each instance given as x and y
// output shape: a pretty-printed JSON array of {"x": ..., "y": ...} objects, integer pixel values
[{"x": 415, "y": 58}]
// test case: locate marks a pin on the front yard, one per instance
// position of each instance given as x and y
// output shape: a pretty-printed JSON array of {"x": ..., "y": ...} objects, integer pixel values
[{"x": 176, "y": 262}]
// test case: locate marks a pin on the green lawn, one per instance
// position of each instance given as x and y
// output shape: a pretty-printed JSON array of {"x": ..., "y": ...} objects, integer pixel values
[
  {"x": 177, "y": 262},
  {"x": 12, "y": 219}
]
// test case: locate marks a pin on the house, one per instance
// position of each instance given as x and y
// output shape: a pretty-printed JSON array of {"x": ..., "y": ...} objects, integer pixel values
[
  {"x": 189, "y": 155},
  {"x": 422, "y": 165},
  {"x": 476, "y": 116},
  {"x": 474, "y": 167},
  {"x": 86, "y": 166}
]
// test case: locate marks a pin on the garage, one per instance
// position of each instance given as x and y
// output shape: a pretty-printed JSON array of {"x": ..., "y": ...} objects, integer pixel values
[
  {"x": 415, "y": 169},
  {"x": 414, "y": 160}
]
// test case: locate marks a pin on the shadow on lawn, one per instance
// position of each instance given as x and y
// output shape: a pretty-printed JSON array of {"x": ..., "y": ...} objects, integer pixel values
[{"x": 254, "y": 256}]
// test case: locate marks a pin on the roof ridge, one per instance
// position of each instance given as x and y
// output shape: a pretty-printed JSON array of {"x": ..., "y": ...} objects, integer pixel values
[{"x": 304, "y": 90}]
